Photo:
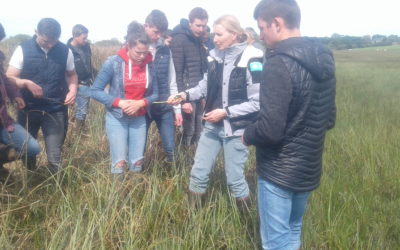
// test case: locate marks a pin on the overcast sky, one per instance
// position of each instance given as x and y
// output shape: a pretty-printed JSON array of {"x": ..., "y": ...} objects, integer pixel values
[{"x": 109, "y": 19}]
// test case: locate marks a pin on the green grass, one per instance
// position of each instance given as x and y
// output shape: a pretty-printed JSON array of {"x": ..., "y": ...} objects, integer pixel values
[{"x": 356, "y": 206}]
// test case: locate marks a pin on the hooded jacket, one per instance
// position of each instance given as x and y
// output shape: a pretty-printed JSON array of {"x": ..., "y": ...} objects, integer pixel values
[
  {"x": 297, "y": 107},
  {"x": 113, "y": 73},
  {"x": 189, "y": 56}
]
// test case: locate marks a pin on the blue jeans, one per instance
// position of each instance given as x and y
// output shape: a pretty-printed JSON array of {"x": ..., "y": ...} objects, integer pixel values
[
  {"x": 82, "y": 102},
  {"x": 20, "y": 140},
  {"x": 54, "y": 127},
  {"x": 166, "y": 128},
  {"x": 212, "y": 140},
  {"x": 127, "y": 139},
  {"x": 193, "y": 123},
  {"x": 281, "y": 213}
]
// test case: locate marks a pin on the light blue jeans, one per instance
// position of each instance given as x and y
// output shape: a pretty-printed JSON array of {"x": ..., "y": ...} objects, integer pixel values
[
  {"x": 212, "y": 140},
  {"x": 82, "y": 102},
  {"x": 20, "y": 140},
  {"x": 127, "y": 138},
  {"x": 281, "y": 214}
]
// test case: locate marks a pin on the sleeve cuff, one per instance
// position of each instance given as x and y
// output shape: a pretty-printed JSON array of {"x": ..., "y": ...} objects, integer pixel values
[
  {"x": 115, "y": 103},
  {"x": 227, "y": 112},
  {"x": 187, "y": 96},
  {"x": 146, "y": 102}
]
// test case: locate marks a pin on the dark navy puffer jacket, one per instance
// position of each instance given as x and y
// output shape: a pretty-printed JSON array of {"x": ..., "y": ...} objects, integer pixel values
[
  {"x": 297, "y": 107},
  {"x": 189, "y": 55}
]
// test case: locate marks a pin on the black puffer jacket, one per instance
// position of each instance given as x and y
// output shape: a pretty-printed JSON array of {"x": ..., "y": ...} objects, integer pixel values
[
  {"x": 189, "y": 55},
  {"x": 297, "y": 107}
]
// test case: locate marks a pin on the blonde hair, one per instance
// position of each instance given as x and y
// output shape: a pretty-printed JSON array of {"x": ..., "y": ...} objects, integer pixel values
[{"x": 232, "y": 24}]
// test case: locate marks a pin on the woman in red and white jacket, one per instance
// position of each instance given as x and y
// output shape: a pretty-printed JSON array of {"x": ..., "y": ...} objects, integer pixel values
[{"x": 130, "y": 74}]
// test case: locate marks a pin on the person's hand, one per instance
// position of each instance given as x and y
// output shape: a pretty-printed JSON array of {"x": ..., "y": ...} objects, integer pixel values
[
  {"x": 20, "y": 102},
  {"x": 130, "y": 107},
  {"x": 35, "y": 89},
  {"x": 187, "y": 108},
  {"x": 178, "y": 120},
  {"x": 176, "y": 99},
  {"x": 215, "y": 115},
  {"x": 70, "y": 98}
]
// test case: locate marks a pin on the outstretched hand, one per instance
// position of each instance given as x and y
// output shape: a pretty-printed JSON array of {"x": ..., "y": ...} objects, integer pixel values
[{"x": 177, "y": 99}]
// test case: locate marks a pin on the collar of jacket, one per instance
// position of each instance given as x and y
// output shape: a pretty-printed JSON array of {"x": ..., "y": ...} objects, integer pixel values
[{"x": 228, "y": 54}]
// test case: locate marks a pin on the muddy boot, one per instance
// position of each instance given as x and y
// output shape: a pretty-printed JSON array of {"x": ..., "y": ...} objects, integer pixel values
[{"x": 196, "y": 200}]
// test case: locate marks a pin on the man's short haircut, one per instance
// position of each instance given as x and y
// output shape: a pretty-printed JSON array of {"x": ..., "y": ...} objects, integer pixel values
[
  {"x": 50, "y": 28},
  {"x": 288, "y": 10},
  {"x": 78, "y": 30},
  {"x": 136, "y": 34},
  {"x": 2, "y": 32},
  {"x": 157, "y": 19},
  {"x": 198, "y": 13}
]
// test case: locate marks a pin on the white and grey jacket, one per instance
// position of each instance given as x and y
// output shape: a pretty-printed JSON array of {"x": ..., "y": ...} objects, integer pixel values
[{"x": 241, "y": 68}]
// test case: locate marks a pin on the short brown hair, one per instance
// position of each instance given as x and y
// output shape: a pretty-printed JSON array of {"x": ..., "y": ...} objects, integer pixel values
[
  {"x": 286, "y": 9},
  {"x": 198, "y": 13},
  {"x": 50, "y": 28},
  {"x": 136, "y": 34},
  {"x": 157, "y": 19},
  {"x": 78, "y": 30}
]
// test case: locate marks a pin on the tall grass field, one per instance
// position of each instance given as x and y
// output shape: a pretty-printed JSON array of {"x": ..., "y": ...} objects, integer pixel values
[{"x": 357, "y": 205}]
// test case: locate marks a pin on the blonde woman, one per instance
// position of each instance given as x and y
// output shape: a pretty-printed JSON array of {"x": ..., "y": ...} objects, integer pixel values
[{"x": 231, "y": 90}]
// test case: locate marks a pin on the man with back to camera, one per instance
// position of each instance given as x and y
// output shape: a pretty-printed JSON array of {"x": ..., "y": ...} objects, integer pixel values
[
  {"x": 297, "y": 107},
  {"x": 43, "y": 68},
  {"x": 190, "y": 60}
]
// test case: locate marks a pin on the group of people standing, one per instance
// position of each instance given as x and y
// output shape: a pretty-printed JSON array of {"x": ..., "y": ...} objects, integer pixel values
[{"x": 281, "y": 100}]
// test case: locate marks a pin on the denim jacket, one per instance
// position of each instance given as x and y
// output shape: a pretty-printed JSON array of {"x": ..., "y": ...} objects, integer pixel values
[{"x": 112, "y": 72}]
